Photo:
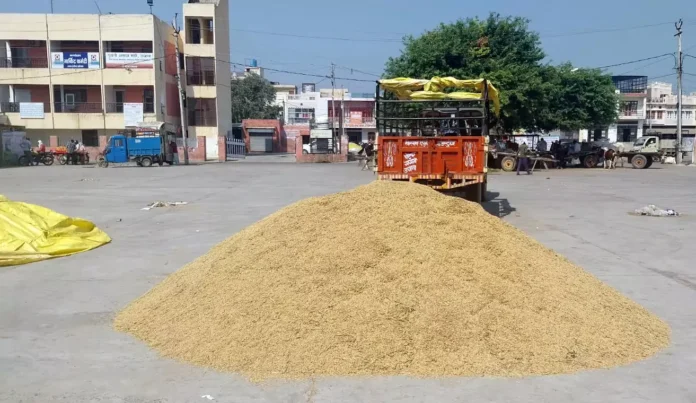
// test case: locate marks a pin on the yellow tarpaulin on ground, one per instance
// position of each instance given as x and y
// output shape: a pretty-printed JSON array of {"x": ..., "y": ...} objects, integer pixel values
[
  {"x": 411, "y": 88},
  {"x": 29, "y": 233}
]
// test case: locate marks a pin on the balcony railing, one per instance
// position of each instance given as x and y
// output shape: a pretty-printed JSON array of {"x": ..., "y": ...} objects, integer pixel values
[
  {"x": 13, "y": 107},
  {"x": 200, "y": 78},
  {"x": 78, "y": 107},
  {"x": 639, "y": 114},
  {"x": 117, "y": 107},
  {"x": 23, "y": 62}
]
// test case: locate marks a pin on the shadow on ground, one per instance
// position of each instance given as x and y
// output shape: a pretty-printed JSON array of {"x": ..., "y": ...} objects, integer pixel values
[{"x": 497, "y": 206}]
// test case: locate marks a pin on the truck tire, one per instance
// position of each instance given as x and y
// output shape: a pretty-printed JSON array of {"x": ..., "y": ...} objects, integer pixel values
[
  {"x": 590, "y": 161},
  {"x": 102, "y": 162},
  {"x": 650, "y": 162},
  {"x": 639, "y": 161},
  {"x": 146, "y": 162},
  {"x": 508, "y": 163}
]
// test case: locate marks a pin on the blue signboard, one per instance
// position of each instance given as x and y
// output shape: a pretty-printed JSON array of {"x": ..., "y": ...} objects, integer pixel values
[{"x": 75, "y": 60}]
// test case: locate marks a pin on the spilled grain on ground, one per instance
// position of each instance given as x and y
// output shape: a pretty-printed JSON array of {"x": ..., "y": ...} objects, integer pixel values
[{"x": 389, "y": 279}]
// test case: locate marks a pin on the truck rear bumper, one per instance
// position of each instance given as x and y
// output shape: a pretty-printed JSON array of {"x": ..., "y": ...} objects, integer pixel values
[{"x": 440, "y": 182}]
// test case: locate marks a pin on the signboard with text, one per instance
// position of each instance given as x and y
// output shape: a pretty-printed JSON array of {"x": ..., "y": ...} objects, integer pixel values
[
  {"x": 31, "y": 110},
  {"x": 75, "y": 60},
  {"x": 131, "y": 60},
  {"x": 132, "y": 114}
]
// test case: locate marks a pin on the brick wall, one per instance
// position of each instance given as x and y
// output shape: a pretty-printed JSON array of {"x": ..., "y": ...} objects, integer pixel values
[
  {"x": 222, "y": 148},
  {"x": 195, "y": 155},
  {"x": 279, "y": 144},
  {"x": 315, "y": 158}
]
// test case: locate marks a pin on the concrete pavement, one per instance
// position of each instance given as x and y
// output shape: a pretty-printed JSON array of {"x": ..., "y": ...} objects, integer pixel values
[{"x": 56, "y": 341}]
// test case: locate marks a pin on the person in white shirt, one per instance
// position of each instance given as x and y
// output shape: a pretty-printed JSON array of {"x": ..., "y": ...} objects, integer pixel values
[{"x": 541, "y": 145}]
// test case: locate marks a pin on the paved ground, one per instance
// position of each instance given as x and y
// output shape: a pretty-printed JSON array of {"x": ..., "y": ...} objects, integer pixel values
[{"x": 56, "y": 343}]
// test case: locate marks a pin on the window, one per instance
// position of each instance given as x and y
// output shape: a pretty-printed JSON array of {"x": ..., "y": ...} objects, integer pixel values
[
  {"x": 119, "y": 96},
  {"x": 687, "y": 114},
  {"x": 148, "y": 100},
  {"x": 90, "y": 138},
  {"x": 118, "y": 142},
  {"x": 671, "y": 115},
  {"x": 200, "y": 70},
  {"x": 202, "y": 112},
  {"x": 300, "y": 116}
]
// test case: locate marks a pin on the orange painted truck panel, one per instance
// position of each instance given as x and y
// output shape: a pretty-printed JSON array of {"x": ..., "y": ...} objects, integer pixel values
[{"x": 437, "y": 156}]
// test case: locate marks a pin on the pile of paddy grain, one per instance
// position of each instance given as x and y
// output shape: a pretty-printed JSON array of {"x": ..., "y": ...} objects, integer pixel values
[{"x": 389, "y": 279}]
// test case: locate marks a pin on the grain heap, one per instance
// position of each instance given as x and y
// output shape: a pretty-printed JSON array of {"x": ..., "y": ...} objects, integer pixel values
[{"x": 389, "y": 279}]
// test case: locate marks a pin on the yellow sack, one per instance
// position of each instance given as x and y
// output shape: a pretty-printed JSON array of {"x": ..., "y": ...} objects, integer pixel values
[{"x": 29, "y": 233}]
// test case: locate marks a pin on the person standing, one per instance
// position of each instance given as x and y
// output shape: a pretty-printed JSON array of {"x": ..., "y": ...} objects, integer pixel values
[
  {"x": 175, "y": 152},
  {"x": 522, "y": 160},
  {"x": 541, "y": 145}
]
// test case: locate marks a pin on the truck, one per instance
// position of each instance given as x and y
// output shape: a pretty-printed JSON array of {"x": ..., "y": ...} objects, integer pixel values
[
  {"x": 644, "y": 151},
  {"x": 145, "y": 143},
  {"x": 144, "y": 150},
  {"x": 437, "y": 139}
]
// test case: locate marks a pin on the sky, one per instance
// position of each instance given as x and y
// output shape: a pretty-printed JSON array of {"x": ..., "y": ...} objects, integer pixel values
[{"x": 588, "y": 33}]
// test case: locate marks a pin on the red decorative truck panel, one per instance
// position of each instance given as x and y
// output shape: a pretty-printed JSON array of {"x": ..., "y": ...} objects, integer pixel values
[{"x": 436, "y": 156}]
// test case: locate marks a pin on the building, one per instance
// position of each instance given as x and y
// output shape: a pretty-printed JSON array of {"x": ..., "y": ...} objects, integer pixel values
[
  {"x": 207, "y": 61},
  {"x": 662, "y": 111},
  {"x": 633, "y": 94},
  {"x": 79, "y": 76},
  {"x": 88, "y": 76},
  {"x": 300, "y": 110}
]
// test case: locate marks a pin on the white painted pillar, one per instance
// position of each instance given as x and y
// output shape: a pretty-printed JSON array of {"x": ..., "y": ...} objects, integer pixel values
[
  {"x": 12, "y": 93},
  {"x": 8, "y": 50},
  {"x": 612, "y": 133}
]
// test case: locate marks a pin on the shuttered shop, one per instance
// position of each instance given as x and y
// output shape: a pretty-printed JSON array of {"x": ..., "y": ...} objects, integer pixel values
[{"x": 261, "y": 140}]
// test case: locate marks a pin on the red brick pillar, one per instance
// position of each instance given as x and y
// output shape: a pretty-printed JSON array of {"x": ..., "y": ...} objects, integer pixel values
[
  {"x": 344, "y": 145},
  {"x": 222, "y": 148},
  {"x": 102, "y": 141},
  {"x": 53, "y": 141}
]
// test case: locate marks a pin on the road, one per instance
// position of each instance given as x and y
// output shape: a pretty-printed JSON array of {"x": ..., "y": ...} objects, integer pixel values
[{"x": 57, "y": 344}]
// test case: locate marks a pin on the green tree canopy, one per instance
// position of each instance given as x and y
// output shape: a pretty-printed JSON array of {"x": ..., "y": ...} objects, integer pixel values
[
  {"x": 253, "y": 98},
  {"x": 504, "y": 51}
]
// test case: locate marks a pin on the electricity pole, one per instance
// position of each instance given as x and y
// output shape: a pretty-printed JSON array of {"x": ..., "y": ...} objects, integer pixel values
[
  {"x": 333, "y": 105},
  {"x": 182, "y": 110},
  {"x": 680, "y": 59},
  {"x": 341, "y": 123},
  {"x": 51, "y": 6}
]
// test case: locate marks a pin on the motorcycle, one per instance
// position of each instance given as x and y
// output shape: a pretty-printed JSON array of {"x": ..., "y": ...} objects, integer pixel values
[{"x": 36, "y": 159}]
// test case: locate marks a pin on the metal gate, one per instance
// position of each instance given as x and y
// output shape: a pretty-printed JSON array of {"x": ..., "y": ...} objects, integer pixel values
[
  {"x": 236, "y": 148},
  {"x": 261, "y": 143}
]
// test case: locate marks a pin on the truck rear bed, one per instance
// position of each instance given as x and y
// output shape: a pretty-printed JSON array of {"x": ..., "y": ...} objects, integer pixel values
[{"x": 439, "y": 162}]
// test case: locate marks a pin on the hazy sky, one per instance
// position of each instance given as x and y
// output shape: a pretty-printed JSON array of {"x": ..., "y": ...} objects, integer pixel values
[{"x": 631, "y": 30}]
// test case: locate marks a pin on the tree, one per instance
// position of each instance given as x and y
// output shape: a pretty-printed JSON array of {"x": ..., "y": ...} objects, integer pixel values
[
  {"x": 582, "y": 98},
  {"x": 504, "y": 51},
  {"x": 253, "y": 98}
]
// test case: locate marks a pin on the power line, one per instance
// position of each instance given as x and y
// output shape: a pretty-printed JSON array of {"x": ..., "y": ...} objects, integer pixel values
[
  {"x": 387, "y": 40},
  {"x": 644, "y": 66},
  {"x": 634, "y": 61},
  {"x": 604, "y": 30},
  {"x": 359, "y": 71}
]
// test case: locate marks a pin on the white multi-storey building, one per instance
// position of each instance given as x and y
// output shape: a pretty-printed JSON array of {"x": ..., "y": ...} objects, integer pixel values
[{"x": 662, "y": 110}]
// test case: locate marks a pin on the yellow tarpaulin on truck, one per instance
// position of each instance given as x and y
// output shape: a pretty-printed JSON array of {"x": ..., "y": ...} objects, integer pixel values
[
  {"x": 29, "y": 233},
  {"x": 411, "y": 88}
]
